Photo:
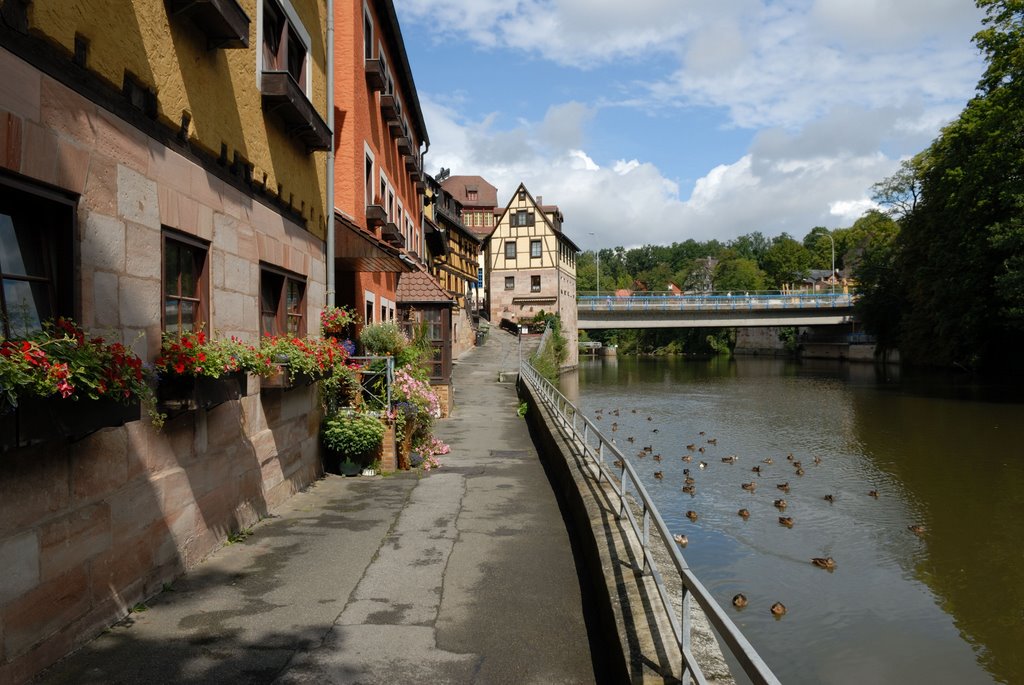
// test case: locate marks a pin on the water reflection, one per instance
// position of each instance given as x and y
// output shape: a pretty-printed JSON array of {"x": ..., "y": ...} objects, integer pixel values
[{"x": 898, "y": 608}]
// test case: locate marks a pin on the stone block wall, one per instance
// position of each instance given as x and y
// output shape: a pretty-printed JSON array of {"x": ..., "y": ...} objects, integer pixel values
[{"x": 90, "y": 528}]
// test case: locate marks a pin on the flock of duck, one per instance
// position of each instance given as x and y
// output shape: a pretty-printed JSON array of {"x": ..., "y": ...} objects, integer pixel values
[{"x": 697, "y": 450}]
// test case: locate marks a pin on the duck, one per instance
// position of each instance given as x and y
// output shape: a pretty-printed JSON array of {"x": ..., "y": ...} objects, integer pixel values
[
  {"x": 689, "y": 490},
  {"x": 650, "y": 418},
  {"x": 618, "y": 463},
  {"x": 756, "y": 469},
  {"x": 744, "y": 513},
  {"x": 687, "y": 458},
  {"x": 790, "y": 456},
  {"x": 817, "y": 461},
  {"x": 712, "y": 441},
  {"x": 739, "y": 601},
  {"x": 641, "y": 454},
  {"x": 692, "y": 515},
  {"x": 681, "y": 540},
  {"x": 783, "y": 486},
  {"x": 689, "y": 480},
  {"x": 750, "y": 487},
  {"x": 659, "y": 475},
  {"x": 648, "y": 448},
  {"x": 703, "y": 465},
  {"x": 786, "y": 521},
  {"x": 633, "y": 410},
  {"x": 691, "y": 447},
  {"x": 700, "y": 433},
  {"x": 768, "y": 460},
  {"x": 686, "y": 472},
  {"x": 657, "y": 457},
  {"x": 599, "y": 411},
  {"x": 780, "y": 504},
  {"x": 829, "y": 498},
  {"x": 799, "y": 472},
  {"x": 731, "y": 459},
  {"x": 614, "y": 428},
  {"x": 873, "y": 493},
  {"x": 827, "y": 563},
  {"x": 778, "y": 609},
  {"x": 655, "y": 430},
  {"x": 917, "y": 529},
  {"x": 798, "y": 464},
  {"x": 701, "y": 450},
  {"x": 631, "y": 438}
]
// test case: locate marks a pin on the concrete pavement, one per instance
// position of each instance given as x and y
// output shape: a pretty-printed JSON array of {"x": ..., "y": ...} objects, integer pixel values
[{"x": 464, "y": 575}]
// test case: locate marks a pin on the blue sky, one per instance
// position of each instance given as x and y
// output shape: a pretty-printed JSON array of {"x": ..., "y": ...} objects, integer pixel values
[{"x": 654, "y": 121}]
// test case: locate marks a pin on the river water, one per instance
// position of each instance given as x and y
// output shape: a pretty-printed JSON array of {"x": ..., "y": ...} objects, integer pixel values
[{"x": 942, "y": 606}]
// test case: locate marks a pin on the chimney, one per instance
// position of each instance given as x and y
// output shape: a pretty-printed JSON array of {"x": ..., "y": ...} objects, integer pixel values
[{"x": 540, "y": 200}]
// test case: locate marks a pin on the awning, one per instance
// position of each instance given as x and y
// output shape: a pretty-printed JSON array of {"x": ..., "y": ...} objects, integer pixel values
[{"x": 356, "y": 249}]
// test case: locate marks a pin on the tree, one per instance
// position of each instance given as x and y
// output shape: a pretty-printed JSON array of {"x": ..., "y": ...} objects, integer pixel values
[
  {"x": 739, "y": 274},
  {"x": 957, "y": 266},
  {"x": 901, "y": 192},
  {"x": 786, "y": 261},
  {"x": 752, "y": 246}
]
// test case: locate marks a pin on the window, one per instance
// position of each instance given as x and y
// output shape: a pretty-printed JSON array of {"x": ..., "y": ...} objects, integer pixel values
[
  {"x": 368, "y": 180},
  {"x": 535, "y": 249},
  {"x": 534, "y": 284},
  {"x": 522, "y": 217},
  {"x": 471, "y": 195},
  {"x": 283, "y": 47},
  {"x": 185, "y": 298},
  {"x": 510, "y": 282},
  {"x": 369, "y": 310},
  {"x": 510, "y": 249},
  {"x": 522, "y": 195},
  {"x": 282, "y": 300},
  {"x": 367, "y": 34},
  {"x": 35, "y": 258}
]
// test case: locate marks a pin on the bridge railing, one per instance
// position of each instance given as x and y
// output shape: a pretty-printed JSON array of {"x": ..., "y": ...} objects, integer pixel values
[
  {"x": 637, "y": 507},
  {"x": 714, "y": 302}
]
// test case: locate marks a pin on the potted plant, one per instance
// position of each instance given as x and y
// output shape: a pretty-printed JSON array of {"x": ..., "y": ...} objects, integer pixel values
[
  {"x": 59, "y": 382},
  {"x": 335, "y": 321},
  {"x": 352, "y": 437},
  {"x": 288, "y": 362},
  {"x": 199, "y": 372}
]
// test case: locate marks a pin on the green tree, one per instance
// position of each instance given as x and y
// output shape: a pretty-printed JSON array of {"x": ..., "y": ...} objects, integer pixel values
[
  {"x": 786, "y": 261},
  {"x": 739, "y": 273}
]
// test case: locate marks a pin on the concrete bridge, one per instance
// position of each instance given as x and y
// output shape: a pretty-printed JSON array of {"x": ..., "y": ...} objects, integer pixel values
[{"x": 715, "y": 310}]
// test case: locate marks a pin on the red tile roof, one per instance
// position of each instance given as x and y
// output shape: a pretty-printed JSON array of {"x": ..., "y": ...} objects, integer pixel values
[
  {"x": 418, "y": 287},
  {"x": 457, "y": 186}
]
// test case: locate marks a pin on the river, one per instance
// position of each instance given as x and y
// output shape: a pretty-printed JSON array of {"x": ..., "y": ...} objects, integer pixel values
[{"x": 945, "y": 605}]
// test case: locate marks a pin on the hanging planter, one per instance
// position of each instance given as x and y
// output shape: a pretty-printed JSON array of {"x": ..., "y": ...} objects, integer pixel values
[
  {"x": 283, "y": 377},
  {"x": 41, "y": 419},
  {"x": 178, "y": 393}
]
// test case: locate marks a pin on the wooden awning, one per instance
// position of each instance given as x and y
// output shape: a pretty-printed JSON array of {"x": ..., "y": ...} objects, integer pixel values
[{"x": 356, "y": 249}]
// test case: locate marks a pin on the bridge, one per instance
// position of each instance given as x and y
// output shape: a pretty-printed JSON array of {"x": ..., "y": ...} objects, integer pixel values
[{"x": 713, "y": 310}]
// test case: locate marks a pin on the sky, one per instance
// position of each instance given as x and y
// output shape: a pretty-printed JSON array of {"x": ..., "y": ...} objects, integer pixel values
[{"x": 657, "y": 121}]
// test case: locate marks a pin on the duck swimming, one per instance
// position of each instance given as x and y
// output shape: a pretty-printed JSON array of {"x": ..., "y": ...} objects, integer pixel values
[
  {"x": 827, "y": 563},
  {"x": 873, "y": 493},
  {"x": 749, "y": 487},
  {"x": 780, "y": 504},
  {"x": 659, "y": 475},
  {"x": 689, "y": 490},
  {"x": 739, "y": 601},
  {"x": 681, "y": 540},
  {"x": 744, "y": 513},
  {"x": 829, "y": 498},
  {"x": 768, "y": 460},
  {"x": 687, "y": 458},
  {"x": 786, "y": 521},
  {"x": 692, "y": 515},
  {"x": 691, "y": 447},
  {"x": 731, "y": 459},
  {"x": 917, "y": 529},
  {"x": 778, "y": 609},
  {"x": 783, "y": 486}
]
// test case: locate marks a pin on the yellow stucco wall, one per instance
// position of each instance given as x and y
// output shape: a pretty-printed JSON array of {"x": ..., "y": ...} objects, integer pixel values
[{"x": 218, "y": 88}]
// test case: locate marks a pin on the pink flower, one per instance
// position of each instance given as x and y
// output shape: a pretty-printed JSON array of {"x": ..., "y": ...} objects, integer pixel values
[{"x": 66, "y": 389}]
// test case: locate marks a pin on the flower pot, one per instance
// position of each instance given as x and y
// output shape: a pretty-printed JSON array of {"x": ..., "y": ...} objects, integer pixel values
[
  {"x": 368, "y": 472},
  {"x": 283, "y": 378},
  {"x": 179, "y": 393},
  {"x": 350, "y": 468},
  {"x": 40, "y": 419}
]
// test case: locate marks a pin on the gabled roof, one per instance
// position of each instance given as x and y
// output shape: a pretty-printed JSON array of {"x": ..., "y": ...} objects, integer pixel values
[
  {"x": 458, "y": 187},
  {"x": 419, "y": 287},
  {"x": 544, "y": 211}
]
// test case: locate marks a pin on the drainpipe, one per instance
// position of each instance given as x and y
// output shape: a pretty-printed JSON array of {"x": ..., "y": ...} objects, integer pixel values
[{"x": 330, "y": 153}]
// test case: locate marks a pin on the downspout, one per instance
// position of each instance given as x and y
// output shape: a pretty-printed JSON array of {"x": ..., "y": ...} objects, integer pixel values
[{"x": 330, "y": 155}]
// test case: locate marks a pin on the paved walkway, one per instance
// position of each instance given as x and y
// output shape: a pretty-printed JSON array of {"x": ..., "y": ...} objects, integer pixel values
[{"x": 465, "y": 575}]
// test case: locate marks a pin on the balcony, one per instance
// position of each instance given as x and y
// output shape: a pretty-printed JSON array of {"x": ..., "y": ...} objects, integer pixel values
[
  {"x": 375, "y": 216},
  {"x": 376, "y": 77},
  {"x": 283, "y": 97},
  {"x": 392, "y": 235},
  {"x": 390, "y": 109},
  {"x": 224, "y": 22},
  {"x": 412, "y": 162},
  {"x": 404, "y": 145}
]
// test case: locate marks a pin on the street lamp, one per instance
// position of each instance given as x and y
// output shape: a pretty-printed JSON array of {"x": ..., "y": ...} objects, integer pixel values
[
  {"x": 832, "y": 277},
  {"x": 598, "y": 252}
]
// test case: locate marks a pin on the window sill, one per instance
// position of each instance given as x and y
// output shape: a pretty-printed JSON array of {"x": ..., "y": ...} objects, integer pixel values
[
  {"x": 375, "y": 77},
  {"x": 282, "y": 96},
  {"x": 224, "y": 22}
]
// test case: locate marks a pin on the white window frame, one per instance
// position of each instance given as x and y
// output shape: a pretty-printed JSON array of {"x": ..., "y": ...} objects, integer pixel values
[
  {"x": 370, "y": 298},
  {"x": 368, "y": 153},
  {"x": 368, "y": 16}
]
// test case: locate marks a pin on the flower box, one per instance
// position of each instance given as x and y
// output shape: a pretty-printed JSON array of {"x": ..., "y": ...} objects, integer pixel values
[
  {"x": 179, "y": 393},
  {"x": 284, "y": 378},
  {"x": 41, "y": 419}
]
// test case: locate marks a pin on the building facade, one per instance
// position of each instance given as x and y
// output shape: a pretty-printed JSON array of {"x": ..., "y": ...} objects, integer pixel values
[
  {"x": 161, "y": 170},
  {"x": 380, "y": 139},
  {"x": 532, "y": 266},
  {"x": 479, "y": 201}
]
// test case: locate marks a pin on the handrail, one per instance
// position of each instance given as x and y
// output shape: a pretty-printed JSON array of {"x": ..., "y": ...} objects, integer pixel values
[
  {"x": 715, "y": 302},
  {"x": 583, "y": 431}
]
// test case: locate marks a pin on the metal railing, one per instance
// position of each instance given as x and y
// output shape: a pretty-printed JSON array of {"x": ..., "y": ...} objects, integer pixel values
[
  {"x": 374, "y": 372},
  {"x": 715, "y": 302},
  {"x": 625, "y": 483}
]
